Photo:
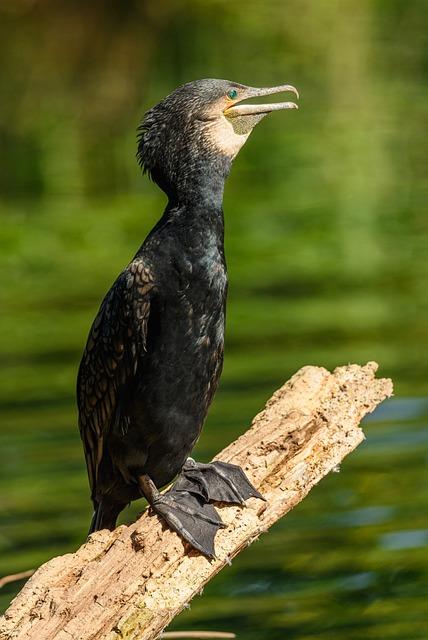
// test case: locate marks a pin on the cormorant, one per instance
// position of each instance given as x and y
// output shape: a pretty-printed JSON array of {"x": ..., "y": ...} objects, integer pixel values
[{"x": 155, "y": 350}]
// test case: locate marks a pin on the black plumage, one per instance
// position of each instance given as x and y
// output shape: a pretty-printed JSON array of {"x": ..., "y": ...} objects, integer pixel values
[{"x": 155, "y": 350}]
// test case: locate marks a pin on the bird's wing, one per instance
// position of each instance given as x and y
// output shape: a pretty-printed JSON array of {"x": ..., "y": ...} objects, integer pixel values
[{"x": 115, "y": 343}]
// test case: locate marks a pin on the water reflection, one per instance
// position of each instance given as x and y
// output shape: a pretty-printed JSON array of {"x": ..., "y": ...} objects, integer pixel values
[{"x": 404, "y": 539}]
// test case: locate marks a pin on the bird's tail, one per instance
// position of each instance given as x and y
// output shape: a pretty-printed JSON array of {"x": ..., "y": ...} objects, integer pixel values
[{"x": 105, "y": 515}]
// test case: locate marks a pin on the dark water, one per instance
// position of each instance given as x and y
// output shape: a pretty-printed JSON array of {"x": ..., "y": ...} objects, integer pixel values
[{"x": 327, "y": 236}]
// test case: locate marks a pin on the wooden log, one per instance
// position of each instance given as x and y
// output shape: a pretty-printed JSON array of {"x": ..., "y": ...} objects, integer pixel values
[{"x": 130, "y": 583}]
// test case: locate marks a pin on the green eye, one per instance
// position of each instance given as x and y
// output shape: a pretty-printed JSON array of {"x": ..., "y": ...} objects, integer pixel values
[{"x": 232, "y": 94}]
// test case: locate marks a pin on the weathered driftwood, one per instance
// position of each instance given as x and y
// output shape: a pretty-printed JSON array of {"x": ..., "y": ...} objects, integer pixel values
[{"x": 131, "y": 582}]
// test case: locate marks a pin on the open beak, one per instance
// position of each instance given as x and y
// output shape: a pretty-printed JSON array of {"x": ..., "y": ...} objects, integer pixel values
[{"x": 237, "y": 109}]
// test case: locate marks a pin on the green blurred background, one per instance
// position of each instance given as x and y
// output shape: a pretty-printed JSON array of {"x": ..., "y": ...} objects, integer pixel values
[{"x": 326, "y": 238}]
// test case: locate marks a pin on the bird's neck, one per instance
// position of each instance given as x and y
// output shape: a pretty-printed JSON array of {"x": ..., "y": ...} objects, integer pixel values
[
  {"x": 200, "y": 187},
  {"x": 199, "y": 224},
  {"x": 194, "y": 212}
]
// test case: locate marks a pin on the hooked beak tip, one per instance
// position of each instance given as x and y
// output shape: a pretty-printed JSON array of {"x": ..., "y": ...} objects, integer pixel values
[{"x": 289, "y": 87}]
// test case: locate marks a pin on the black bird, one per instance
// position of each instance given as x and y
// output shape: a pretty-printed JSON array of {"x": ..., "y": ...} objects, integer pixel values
[{"x": 155, "y": 350}]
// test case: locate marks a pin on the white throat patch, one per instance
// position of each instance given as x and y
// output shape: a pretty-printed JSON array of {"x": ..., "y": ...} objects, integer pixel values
[{"x": 222, "y": 136}]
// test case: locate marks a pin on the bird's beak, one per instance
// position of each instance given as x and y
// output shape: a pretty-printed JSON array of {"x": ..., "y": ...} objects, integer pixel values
[{"x": 237, "y": 109}]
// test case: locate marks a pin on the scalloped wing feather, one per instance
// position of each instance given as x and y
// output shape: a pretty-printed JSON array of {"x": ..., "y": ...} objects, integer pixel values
[{"x": 110, "y": 360}]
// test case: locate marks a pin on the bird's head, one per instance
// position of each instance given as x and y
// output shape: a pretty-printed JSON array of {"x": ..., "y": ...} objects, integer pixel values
[{"x": 199, "y": 128}]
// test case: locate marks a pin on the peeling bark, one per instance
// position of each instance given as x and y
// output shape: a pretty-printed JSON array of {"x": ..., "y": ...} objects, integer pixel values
[{"x": 130, "y": 583}]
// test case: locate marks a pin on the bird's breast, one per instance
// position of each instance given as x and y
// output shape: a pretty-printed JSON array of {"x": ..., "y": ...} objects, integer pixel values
[
  {"x": 197, "y": 305},
  {"x": 185, "y": 338}
]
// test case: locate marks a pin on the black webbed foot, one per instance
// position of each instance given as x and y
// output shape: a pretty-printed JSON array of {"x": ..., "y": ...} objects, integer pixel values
[
  {"x": 187, "y": 514},
  {"x": 217, "y": 481},
  {"x": 194, "y": 520},
  {"x": 186, "y": 507}
]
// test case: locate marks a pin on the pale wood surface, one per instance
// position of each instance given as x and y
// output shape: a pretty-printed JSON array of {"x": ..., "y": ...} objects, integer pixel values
[{"x": 131, "y": 582}]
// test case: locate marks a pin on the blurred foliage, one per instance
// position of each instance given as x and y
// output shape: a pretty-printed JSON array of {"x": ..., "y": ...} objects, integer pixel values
[{"x": 326, "y": 240}]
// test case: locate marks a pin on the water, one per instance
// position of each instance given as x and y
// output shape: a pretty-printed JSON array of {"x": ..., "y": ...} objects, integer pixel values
[{"x": 326, "y": 243}]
